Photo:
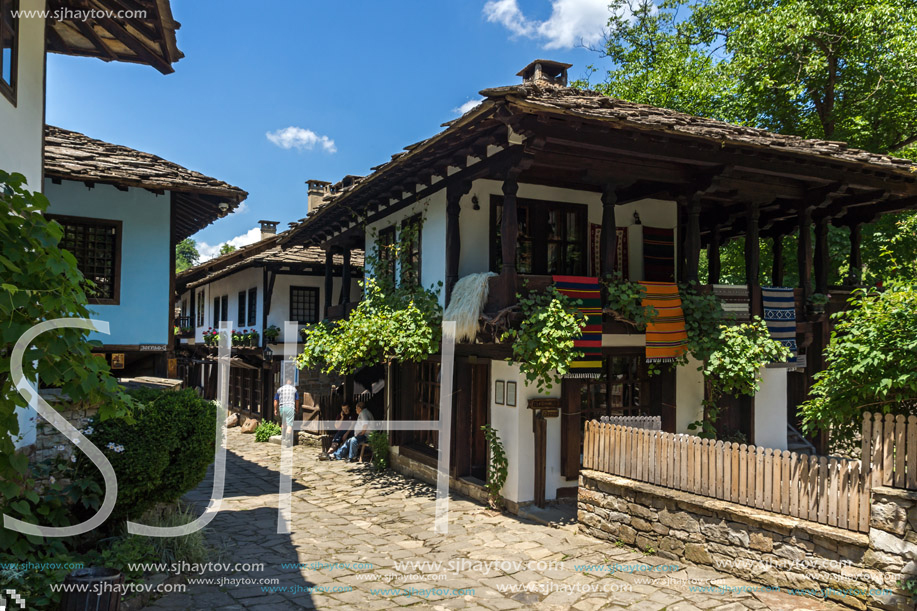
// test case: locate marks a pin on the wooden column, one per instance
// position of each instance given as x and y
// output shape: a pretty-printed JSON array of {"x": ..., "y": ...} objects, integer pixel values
[
  {"x": 692, "y": 240},
  {"x": 713, "y": 257},
  {"x": 855, "y": 277},
  {"x": 329, "y": 279},
  {"x": 777, "y": 268},
  {"x": 454, "y": 193},
  {"x": 753, "y": 259},
  {"x": 680, "y": 241},
  {"x": 821, "y": 255},
  {"x": 509, "y": 234},
  {"x": 345, "y": 277},
  {"x": 804, "y": 253},
  {"x": 608, "y": 241}
]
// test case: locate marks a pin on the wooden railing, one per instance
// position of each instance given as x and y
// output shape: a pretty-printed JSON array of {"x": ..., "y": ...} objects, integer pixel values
[
  {"x": 831, "y": 491},
  {"x": 650, "y": 423},
  {"x": 890, "y": 444}
]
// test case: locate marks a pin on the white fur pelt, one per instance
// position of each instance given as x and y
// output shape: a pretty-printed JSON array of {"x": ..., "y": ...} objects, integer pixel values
[{"x": 468, "y": 298}]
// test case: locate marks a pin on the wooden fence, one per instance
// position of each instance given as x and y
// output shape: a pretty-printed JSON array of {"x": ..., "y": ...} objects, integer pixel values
[
  {"x": 831, "y": 491},
  {"x": 890, "y": 444},
  {"x": 650, "y": 423}
]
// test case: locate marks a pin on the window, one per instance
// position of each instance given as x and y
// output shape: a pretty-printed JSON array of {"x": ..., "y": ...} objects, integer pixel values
[
  {"x": 386, "y": 241},
  {"x": 427, "y": 401},
  {"x": 9, "y": 48},
  {"x": 241, "y": 318},
  {"x": 200, "y": 307},
  {"x": 224, "y": 308},
  {"x": 252, "y": 307},
  {"x": 216, "y": 312},
  {"x": 551, "y": 237},
  {"x": 304, "y": 304},
  {"x": 410, "y": 250},
  {"x": 96, "y": 244}
]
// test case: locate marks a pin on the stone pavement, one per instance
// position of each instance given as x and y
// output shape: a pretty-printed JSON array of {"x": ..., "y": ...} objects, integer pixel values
[{"x": 357, "y": 533}]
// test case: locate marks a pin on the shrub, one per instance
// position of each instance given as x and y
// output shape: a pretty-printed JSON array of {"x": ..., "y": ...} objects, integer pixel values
[
  {"x": 497, "y": 469},
  {"x": 378, "y": 442},
  {"x": 164, "y": 453},
  {"x": 266, "y": 430}
]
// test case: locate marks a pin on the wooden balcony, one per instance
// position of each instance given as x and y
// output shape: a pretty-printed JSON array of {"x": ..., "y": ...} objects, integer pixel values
[{"x": 185, "y": 326}]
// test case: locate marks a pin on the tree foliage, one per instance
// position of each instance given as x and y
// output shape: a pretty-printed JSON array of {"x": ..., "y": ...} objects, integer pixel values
[
  {"x": 872, "y": 363},
  {"x": 832, "y": 69},
  {"x": 186, "y": 255},
  {"x": 226, "y": 248},
  {"x": 41, "y": 282}
]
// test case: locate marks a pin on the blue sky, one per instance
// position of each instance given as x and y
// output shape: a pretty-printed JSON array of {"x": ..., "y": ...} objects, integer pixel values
[{"x": 358, "y": 81}]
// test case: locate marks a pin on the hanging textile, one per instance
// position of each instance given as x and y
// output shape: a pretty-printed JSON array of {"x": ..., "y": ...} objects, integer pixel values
[
  {"x": 588, "y": 362},
  {"x": 666, "y": 337},
  {"x": 621, "y": 260},
  {"x": 780, "y": 316}
]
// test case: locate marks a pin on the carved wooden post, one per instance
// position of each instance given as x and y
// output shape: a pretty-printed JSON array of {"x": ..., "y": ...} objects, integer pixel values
[
  {"x": 753, "y": 259},
  {"x": 692, "y": 240},
  {"x": 855, "y": 277},
  {"x": 713, "y": 257},
  {"x": 804, "y": 254},
  {"x": 509, "y": 234},
  {"x": 454, "y": 193},
  {"x": 345, "y": 277},
  {"x": 329, "y": 278},
  {"x": 608, "y": 241},
  {"x": 777, "y": 268}
]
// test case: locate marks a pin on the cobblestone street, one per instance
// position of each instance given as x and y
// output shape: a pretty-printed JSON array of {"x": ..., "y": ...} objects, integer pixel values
[{"x": 374, "y": 525}]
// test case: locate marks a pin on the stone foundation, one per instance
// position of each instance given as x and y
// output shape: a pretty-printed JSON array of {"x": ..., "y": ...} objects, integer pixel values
[
  {"x": 49, "y": 442},
  {"x": 425, "y": 473},
  {"x": 854, "y": 569}
]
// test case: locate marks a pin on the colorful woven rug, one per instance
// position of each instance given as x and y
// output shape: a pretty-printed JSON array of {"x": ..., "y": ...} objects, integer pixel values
[
  {"x": 734, "y": 300},
  {"x": 621, "y": 262},
  {"x": 666, "y": 338},
  {"x": 588, "y": 364},
  {"x": 658, "y": 254},
  {"x": 780, "y": 316}
]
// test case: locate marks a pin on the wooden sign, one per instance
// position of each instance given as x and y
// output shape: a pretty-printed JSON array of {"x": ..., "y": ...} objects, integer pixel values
[
  {"x": 550, "y": 413},
  {"x": 153, "y": 347},
  {"x": 117, "y": 360},
  {"x": 544, "y": 403}
]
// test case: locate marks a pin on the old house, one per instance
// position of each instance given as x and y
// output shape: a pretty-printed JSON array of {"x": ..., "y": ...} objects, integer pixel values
[
  {"x": 542, "y": 180},
  {"x": 258, "y": 288}
]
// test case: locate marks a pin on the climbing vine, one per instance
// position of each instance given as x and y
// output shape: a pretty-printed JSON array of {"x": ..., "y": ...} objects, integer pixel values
[
  {"x": 543, "y": 343},
  {"x": 397, "y": 320},
  {"x": 497, "y": 468},
  {"x": 624, "y": 301}
]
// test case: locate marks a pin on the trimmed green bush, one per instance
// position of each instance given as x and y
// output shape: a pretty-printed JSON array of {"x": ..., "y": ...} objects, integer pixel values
[
  {"x": 161, "y": 455},
  {"x": 266, "y": 430}
]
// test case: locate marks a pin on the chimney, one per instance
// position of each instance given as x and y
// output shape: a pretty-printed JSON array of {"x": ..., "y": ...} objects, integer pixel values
[
  {"x": 268, "y": 229},
  {"x": 545, "y": 71},
  {"x": 318, "y": 189}
]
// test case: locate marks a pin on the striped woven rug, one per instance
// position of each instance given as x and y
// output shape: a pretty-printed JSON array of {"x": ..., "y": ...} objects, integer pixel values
[
  {"x": 780, "y": 316},
  {"x": 588, "y": 364},
  {"x": 666, "y": 337}
]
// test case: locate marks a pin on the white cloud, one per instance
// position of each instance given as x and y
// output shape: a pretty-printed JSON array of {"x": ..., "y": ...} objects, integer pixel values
[
  {"x": 241, "y": 208},
  {"x": 207, "y": 252},
  {"x": 301, "y": 139},
  {"x": 460, "y": 110},
  {"x": 571, "y": 22}
]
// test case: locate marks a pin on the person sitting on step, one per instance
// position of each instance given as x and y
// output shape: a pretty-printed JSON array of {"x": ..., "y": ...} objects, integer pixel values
[
  {"x": 360, "y": 430},
  {"x": 343, "y": 427}
]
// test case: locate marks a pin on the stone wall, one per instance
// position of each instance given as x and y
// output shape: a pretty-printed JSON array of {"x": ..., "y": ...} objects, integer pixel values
[
  {"x": 854, "y": 569},
  {"x": 49, "y": 442}
]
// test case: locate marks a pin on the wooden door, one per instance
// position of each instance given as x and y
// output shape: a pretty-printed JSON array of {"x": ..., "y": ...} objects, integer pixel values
[{"x": 472, "y": 396}]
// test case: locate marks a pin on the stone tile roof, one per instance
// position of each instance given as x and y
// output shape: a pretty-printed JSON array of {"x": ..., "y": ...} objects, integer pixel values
[
  {"x": 593, "y": 105},
  {"x": 71, "y": 155}
]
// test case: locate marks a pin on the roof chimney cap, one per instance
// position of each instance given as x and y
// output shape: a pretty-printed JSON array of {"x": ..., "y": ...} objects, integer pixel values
[
  {"x": 268, "y": 228},
  {"x": 545, "y": 71}
]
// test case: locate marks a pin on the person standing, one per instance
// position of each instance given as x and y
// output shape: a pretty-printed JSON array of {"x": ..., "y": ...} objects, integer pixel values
[{"x": 286, "y": 402}]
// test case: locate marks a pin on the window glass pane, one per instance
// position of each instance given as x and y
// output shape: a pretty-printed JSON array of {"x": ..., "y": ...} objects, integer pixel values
[
  {"x": 7, "y": 64},
  {"x": 94, "y": 245},
  {"x": 554, "y": 258},
  {"x": 554, "y": 228}
]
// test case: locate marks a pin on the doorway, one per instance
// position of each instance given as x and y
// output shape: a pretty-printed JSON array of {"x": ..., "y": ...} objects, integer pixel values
[{"x": 472, "y": 399}]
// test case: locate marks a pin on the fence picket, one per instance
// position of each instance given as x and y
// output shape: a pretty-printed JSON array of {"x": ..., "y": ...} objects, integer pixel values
[
  {"x": 853, "y": 513},
  {"x": 833, "y": 490},
  {"x": 795, "y": 480},
  {"x": 900, "y": 450},
  {"x": 843, "y": 496},
  {"x": 823, "y": 479}
]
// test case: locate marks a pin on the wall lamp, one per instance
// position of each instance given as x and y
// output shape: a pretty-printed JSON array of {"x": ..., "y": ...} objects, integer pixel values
[{"x": 474, "y": 203}]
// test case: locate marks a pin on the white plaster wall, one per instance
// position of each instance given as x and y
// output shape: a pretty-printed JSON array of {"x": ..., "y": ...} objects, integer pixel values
[
  {"x": 143, "y": 315},
  {"x": 514, "y": 425},
  {"x": 689, "y": 395},
  {"x": 280, "y": 302},
  {"x": 770, "y": 410},
  {"x": 432, "y": 238},
  {"x": 22, "y": 125}
]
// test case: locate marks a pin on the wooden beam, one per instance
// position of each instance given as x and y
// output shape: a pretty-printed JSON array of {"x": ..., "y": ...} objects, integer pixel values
[
  {"x": 855, "y": 275},
  {"x": 692, "y": 239},
  {"x": 345, "y": 277},
  {"x": 454, "y": 193},
  {"x": 141, "y": 50},
  {"x": 821, "y": 255},
  {"x": 329, "y": 279},
  {"x": 777, "y": 267},
  {"x": 713, "y": 256},
  {"x": 804, "y": 250},
  {"x": 753, "y": 259},
  {"x": 608, "y": 240}
]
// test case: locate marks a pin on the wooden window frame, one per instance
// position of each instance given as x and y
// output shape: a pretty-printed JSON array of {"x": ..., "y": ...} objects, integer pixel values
[
  {"x": 216, "y": 313},
  {"x": 9, "y": 89},
  {"x": 252, "y": 307},
  {"x": 307, "y": 289},
  {"x": 202, "y": 306},
  {"x": 118, "y": 226},
  {"x": 410, "y": 250},
  {"x": 537, "y": 211},
  {"x": 242, "y": 299},
  {"x": 426, "y": 404},
  {"x": 386, "y": 239},
  {"x": 224, "y": 308}
]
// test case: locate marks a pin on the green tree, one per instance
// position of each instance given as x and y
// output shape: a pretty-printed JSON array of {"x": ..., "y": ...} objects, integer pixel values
[
  {"x": 41, "y": 282},
  {"x": 226, "y": 248},
  {"x": 832, "y": 69},
  {"x": 872, "y": 364},
  {"x": 186, "y": 255}
]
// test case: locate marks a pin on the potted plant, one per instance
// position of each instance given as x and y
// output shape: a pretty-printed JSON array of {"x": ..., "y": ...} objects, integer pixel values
[
  {"x": 238, "y": 338},
  {"x": 271, "y": 333},
  {"x": 211, "y": 337},
  {"x": 253, "y": 336}
]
